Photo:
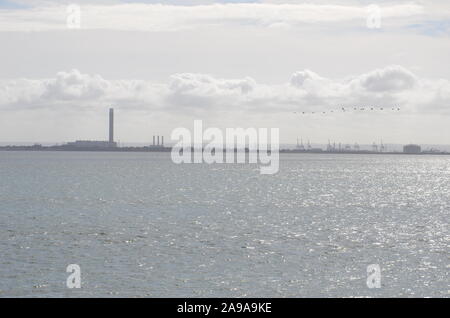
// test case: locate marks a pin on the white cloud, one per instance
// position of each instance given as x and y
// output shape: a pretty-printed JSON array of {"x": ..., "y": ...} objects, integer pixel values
[
  {"x": 305, "y": 91},
  {"x": 392, "y": 78},
  {"x": 305, "y": 78},
  {"x": 208, "y": 85},
  {"x": 74, "y": 85}
]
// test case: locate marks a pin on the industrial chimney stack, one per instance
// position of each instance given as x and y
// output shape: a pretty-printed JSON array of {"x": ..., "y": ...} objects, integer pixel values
[
  {"x": 111, "y": 126},
  {"x": 158, "y": 141}
]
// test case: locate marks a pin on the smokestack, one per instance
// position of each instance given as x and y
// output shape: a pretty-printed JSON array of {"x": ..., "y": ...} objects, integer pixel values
[
  {"x": 111, "y": 125},
  {"x": 158, "y": 140},
  {"x": 153, "y": 140},
  {"x": 162, "y": 140}
]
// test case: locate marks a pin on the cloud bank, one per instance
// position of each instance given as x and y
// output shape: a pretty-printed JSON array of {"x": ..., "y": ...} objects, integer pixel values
[
  {"x": 159, "y": 17},
  {"x": 201, "y": 93}
]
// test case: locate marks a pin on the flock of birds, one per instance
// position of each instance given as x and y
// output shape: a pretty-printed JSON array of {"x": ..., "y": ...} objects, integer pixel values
[{"x": 343, "y": 109}]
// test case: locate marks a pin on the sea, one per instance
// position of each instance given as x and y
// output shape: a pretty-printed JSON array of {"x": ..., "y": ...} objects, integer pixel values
[{"x": 139, "y": 225}]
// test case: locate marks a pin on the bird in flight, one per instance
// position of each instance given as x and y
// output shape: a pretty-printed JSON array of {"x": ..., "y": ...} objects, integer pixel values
[{"x": 343, "y": 109}]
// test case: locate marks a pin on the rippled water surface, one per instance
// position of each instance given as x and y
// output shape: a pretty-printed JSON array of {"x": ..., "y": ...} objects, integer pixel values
[{"x": 139, "y": 225}]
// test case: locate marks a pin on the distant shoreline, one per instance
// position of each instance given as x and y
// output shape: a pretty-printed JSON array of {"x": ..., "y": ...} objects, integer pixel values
[{"x": 169, "y": 149}]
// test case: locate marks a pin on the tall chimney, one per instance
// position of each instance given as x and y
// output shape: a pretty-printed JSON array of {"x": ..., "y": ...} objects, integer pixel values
[
  {"x": 162, "y": 140},
  {"x": 111, "y": 125},
  {"x": 153, "y": 140},
  {"x": 158, "y": 140}
]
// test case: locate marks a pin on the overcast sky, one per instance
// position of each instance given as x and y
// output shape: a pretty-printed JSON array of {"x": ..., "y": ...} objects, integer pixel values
[{"x": 231, "y": 64}]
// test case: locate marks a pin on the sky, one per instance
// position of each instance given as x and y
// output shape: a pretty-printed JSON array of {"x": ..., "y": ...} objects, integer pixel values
[{"x": 261, "y": 64}]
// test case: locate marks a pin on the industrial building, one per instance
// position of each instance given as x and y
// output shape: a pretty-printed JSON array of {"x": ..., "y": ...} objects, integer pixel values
[
  {"x": 89, "y": 144},
  {"x": 97, "y": 143},
  {"x": 412, "y": 149}
]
